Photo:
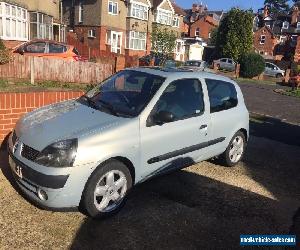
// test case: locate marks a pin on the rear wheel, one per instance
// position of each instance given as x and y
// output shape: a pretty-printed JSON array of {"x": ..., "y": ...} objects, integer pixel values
[
  {"x": 235, "y": 150},
  {"x": 106, "y": 190}
]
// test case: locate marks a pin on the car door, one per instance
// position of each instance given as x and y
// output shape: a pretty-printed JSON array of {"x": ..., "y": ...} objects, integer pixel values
[
  {"x": 223, "y": 63},
  {"x": 268, "y": 69},
  {"x": 224, "y": 112},
  {"x": 181, "y": 142},
  {"x": 230, "y": 65}
]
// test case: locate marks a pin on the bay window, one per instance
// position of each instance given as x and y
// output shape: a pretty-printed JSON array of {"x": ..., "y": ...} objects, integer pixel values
[
  {"x": 164, "y": 17},
  {"x": 139, "y": 11},
  {"x": 41, "y": 26},
  {"x": 136, "y": 40},
  {"x": 13, "y": 22}
]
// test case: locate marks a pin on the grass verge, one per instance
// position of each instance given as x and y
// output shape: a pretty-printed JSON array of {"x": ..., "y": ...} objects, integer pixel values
[{"x": 25, "y": 86}]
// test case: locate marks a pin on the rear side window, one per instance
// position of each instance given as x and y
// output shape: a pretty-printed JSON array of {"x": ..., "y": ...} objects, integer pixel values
[
  {"x": 57, "y": 48},
  {"x": 75, "y": 51},
  {"x": 222, "y": 95}
]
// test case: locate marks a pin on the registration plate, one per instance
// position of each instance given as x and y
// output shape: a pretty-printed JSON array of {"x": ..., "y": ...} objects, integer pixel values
[{"x": 17, "y": 169}]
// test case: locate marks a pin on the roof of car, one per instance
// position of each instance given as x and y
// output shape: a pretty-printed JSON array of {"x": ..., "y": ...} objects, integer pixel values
[{"x": 180, "y": 73}]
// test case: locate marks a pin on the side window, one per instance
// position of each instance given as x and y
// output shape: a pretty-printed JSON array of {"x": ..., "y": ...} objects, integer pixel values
[
  {"x": 183, "y": 98},
  {"x": 223, "y": 60},
  {"x": 230, "y": 61},
  {"x": 38, "y": 47},
  {"x": 57, "y": 48},
  {"x": 222, "y": 95}
]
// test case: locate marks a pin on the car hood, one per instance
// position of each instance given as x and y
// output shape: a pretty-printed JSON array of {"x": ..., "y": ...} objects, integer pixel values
[{"x": 65, "y": 120}]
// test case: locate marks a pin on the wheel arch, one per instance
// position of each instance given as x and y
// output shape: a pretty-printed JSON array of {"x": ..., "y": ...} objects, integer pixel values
[
  {"x": 128, "y": 164},
  {"x": 245, "y": 132}
]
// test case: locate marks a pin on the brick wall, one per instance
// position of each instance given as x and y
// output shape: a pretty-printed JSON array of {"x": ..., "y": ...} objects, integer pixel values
[
  {"x": 14, "y": 105},
  {"x": 297, "y": 51}
]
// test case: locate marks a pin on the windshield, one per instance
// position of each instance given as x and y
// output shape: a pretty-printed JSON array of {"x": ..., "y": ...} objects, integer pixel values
[{"x": 123, "y": 94}]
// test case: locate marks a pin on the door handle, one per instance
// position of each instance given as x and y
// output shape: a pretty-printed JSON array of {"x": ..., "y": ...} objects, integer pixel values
[{"x": 203, "y": 127}]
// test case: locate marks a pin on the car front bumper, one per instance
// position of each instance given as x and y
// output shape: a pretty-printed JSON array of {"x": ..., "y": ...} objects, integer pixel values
[{"x": 63, "y": 187}]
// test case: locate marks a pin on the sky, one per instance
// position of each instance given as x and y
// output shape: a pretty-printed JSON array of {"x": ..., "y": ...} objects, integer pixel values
[{"x": 223, "y": 4}]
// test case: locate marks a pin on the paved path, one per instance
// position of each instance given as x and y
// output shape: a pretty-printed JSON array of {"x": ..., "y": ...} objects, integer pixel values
[{"x": 263, "y": 100}]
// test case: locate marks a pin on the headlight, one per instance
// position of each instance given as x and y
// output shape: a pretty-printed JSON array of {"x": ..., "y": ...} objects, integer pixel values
[{"x": 59, "y": 154}]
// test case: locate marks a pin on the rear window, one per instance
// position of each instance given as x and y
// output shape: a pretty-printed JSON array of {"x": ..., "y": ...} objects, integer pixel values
[
  {"x": 75, "y": 51},
  {"x": 222, "y": 95},
  {"x": 57, "y": 48}
]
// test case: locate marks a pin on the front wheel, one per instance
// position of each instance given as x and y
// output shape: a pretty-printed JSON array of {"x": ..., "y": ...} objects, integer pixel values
[
  {"x": 235, "y": 150},
  {"x": 105, "y": 191}
]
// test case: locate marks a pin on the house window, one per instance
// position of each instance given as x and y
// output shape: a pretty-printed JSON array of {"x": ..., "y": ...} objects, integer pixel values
[
  {"x": 136, "y": 40},
  {"x": 197, "y": 32},
  {"x": 80, "y": 13},
  {"x": 164, "y": 17},
  {"x": 13, "y": 22},
  {"x": 113, "y": 8},
  {"x": 282, "y": 39},
  {"x": 41, "y": 26},
  {"x": 285, "y": 25},
  {"x": 262, "y": 39},
  {"x": 209, "y": 35},
  {"x": 92, "y": 33},
  {"x": 175, "y": 21},
  {"x": 139, "y": 11}
]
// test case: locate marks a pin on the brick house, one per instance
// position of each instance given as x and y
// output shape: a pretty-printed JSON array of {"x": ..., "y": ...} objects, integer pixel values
[
  {"x": 276, "y": 36},
  {"x": 201, "y": 22},
  {"x": 265, "y": 42},
  {"x": 120, "y": 27},
  {"x": 23, "y": 20}
]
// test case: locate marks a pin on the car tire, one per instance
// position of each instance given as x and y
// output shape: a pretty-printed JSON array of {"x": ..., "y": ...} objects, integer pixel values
[
  {"x": 234, "y": 153},
  {"x": 279, "y": 75},
  {"x": 106, "y": 190}
]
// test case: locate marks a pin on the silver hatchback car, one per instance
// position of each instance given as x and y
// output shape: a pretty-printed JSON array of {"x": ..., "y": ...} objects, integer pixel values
[{"x": 137, "y": 124}]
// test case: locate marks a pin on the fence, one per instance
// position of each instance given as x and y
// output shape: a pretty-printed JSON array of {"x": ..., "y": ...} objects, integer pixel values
[{"x": 43, "y": 69}]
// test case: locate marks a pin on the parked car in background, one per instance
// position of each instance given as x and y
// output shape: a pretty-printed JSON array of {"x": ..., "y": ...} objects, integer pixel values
[
  {"x": 226, "y": 63},
  {"x": 137, "y": 124},
  {"x": 49, "y": 49},
  {"x": 196, "y": 65},
  {"x": 273, "y": 70},
  {"x": 170, "y": 63}
]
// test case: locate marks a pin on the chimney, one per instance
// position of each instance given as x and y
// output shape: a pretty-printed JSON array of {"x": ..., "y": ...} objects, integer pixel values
[
  {"x": 295, "y": 15},
  {"x": 266, "y": 11},
  {"x": 195, "y": 7}
]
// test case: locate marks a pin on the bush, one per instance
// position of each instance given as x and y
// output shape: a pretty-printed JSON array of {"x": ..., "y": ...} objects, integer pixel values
[
  {"x": 5, "y": 56},
  {"x": 252, "y": 65}
]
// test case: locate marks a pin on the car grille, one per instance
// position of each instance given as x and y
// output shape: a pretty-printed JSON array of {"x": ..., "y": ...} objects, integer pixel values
[
  {"x": 14, "y": 138},
  {"x": 29, "y": 153}
]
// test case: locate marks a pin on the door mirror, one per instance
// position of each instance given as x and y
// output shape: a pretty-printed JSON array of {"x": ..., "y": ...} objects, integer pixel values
[{"x": 163, "y": 117}]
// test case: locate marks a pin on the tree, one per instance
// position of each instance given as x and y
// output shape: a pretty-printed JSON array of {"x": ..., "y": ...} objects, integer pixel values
[
  {"x": 277, "y": 6},
  {"x": 5, "y": 56},
  {"x": 163, "y": 43},
  {"x": 213, "y": 38},
  {"x": 252, "y": 65},
  {"x": 235, "y": 36}
]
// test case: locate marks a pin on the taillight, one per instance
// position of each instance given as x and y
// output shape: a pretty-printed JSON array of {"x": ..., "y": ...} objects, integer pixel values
[{"x": 76, "y": 58}]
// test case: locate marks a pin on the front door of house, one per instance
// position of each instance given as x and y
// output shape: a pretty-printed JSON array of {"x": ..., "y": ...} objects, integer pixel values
[{"x": 116, "y": 42}]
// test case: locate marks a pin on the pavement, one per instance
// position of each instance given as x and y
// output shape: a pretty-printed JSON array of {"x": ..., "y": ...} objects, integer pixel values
[{"x": 205, "y": 206}]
